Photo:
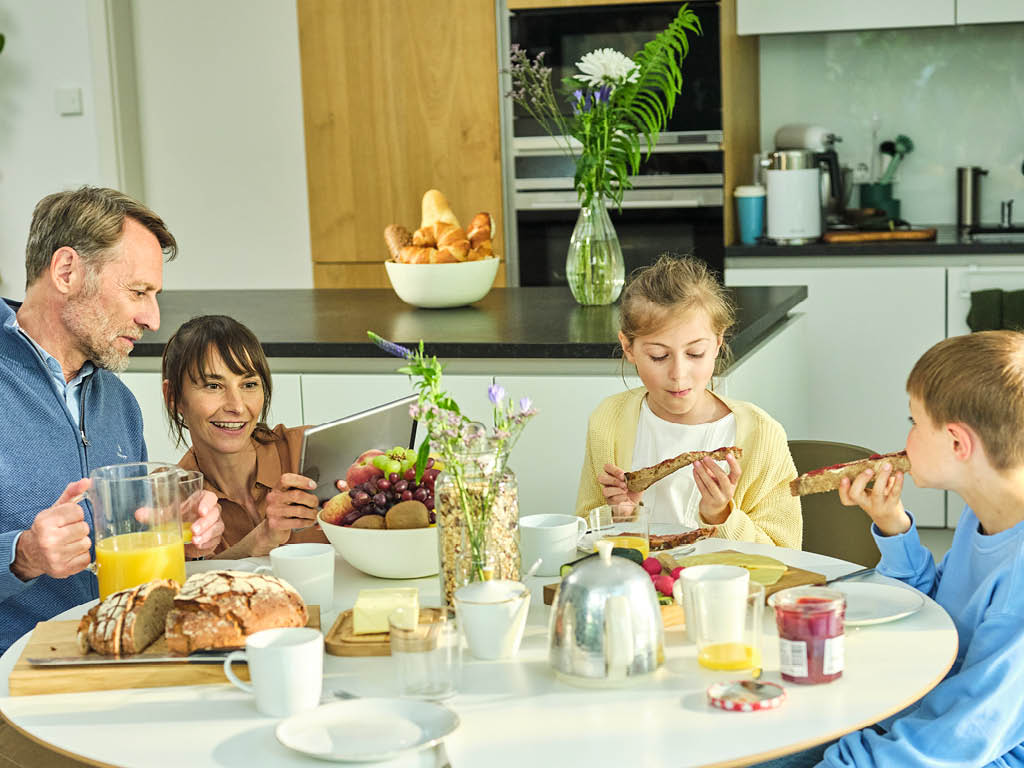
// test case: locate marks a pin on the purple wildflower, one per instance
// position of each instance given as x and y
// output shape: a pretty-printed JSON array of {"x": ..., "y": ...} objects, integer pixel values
[
  {"x": 525, "y": 403},
  {"x": 496, "y": 393},
  {"x": 603, "y": 94},
  {"x": 389, "y": 346}
]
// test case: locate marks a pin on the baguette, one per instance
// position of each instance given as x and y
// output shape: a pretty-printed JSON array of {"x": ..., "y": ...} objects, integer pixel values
[
  {"x": 827, "y": 478},
  {"x": 642, "y": 479}
]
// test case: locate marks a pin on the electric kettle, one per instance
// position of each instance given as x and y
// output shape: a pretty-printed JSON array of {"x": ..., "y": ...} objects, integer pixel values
[
  {"x": 794, "y": 194},
  {"x": 605, "y": 627}
]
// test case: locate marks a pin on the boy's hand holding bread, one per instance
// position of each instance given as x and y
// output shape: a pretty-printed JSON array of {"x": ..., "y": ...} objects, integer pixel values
[
  {"x": 882, "y": 501},
  {"x": 440, "y": 238}
]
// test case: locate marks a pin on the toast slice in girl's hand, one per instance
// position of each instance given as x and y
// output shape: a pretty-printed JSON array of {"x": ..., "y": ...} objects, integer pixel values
[
  {"x": 827, "y": 478},
  {"x": 642, "y": 479}
]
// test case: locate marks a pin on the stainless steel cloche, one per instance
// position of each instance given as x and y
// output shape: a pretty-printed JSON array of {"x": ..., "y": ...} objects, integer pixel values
[{"x": 605, "y": 626}]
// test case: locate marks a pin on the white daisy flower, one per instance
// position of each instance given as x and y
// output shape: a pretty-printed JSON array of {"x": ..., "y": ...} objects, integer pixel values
[{"x": 606, "y": 66}]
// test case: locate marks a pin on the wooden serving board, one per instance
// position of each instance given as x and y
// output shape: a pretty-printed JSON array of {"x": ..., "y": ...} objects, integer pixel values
[
  {"x": 340, "y": 640},
  {"x": 867, "y": 236},
  {"x": 55, "y": 639}
]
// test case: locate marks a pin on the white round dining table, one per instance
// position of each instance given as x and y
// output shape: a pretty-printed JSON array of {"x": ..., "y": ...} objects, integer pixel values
[{"x": 514, "y": 712}]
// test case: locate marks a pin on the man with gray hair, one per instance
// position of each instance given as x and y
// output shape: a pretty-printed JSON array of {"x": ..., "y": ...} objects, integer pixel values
[{"x": 94, "y": 267}]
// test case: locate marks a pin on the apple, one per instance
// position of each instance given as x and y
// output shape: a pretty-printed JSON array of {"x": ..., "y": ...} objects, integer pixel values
[
  {"x": 363, "y": 468},
  {"x": 337, "y": 507}
]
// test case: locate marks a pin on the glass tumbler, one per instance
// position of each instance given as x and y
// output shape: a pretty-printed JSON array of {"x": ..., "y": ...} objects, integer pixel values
[{"x": 427, "y": 652}]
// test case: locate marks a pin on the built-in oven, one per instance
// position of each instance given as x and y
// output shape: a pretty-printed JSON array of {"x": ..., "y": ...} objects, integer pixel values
[{"x": 676, "y": 200}]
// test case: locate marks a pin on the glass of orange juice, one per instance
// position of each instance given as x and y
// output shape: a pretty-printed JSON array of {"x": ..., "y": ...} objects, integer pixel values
[
  {"x": 624, "y": 525},
  {"x": 136, "y": 510},
  {"x": 727, "y": 623}
]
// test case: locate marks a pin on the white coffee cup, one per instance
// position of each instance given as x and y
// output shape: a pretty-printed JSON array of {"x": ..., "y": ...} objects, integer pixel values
[
  {"x": 729, "y": 580},
  {"x": 307, "y": 567},
  {"x": 286, "y": 667},
  {"x": 492, "y": 617},
  {"x": 552, "y": 539}
]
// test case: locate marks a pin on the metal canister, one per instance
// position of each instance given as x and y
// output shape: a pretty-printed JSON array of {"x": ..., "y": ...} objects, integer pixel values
[{"x": 968, "y": 196}]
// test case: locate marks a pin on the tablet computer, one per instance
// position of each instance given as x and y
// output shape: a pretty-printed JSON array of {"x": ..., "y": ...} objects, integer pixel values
[{"x": 329, "y": 449}]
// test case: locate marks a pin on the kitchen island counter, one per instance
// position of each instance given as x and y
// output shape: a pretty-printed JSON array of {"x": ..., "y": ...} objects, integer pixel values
[{"x": 512, "y": 323}]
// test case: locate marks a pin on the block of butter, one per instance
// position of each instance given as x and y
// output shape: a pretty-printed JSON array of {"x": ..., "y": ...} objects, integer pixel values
[{"x": 373, "y": 606}]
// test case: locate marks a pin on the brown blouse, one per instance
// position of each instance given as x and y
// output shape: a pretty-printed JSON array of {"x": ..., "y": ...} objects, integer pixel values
[{"x": 273, "y": 459}]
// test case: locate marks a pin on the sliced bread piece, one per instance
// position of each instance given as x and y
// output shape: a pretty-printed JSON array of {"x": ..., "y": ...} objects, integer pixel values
[{"x": 827, "y": 478}]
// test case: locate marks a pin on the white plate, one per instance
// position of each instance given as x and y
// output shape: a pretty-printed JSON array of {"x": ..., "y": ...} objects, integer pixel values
[
  {"x": 589, "y": 541},
  {"x": 366, "y": 730},
  {"x": 868, "y": 603}
]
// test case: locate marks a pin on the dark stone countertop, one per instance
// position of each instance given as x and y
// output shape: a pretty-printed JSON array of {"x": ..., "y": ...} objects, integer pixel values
[
  {"x": 947, "y": 242},
  {"x": 507, "y": 323}
]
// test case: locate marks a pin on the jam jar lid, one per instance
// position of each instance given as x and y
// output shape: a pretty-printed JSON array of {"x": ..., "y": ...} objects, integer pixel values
[
  {"x": 746, "y": 695},
  {"x": 808, "y": 600}
]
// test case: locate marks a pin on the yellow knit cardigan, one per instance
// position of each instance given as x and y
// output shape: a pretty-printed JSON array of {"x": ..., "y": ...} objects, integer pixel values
[{"x": 763, "y": 509}]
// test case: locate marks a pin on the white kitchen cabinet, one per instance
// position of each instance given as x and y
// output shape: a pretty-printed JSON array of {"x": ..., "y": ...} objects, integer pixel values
[
  {"x": 286, "y": 408},
  {"x": 761, "y": 17},
  {"x": 865, "y": 328},
  {"x": 988, "y": 11}
]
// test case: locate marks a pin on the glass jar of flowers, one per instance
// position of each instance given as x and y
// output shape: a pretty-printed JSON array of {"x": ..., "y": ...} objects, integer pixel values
[
  {"x": 617, "y": 106},
  {"x": 475, "y": 497}
]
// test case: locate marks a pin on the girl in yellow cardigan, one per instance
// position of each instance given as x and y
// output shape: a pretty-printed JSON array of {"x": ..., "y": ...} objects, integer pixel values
[{"x": 674, "y": 318}]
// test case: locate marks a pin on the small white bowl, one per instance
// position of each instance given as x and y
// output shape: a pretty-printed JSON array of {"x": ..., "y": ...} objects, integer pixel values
[
  {"x": 442, "y": 285},
  {"x": 400, "y": 554}
]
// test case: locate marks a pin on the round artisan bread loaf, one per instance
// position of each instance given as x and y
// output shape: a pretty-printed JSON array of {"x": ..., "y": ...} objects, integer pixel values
[
  {"x": 127, "y": 621},
  {"x": 219, "y": 609}
]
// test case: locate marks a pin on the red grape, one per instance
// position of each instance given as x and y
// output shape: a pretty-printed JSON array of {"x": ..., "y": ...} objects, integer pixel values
[
  {"x": 393, "y": 477},
  {"x": 383, "y": 485},
  {"x": 420, "y": 494},
  {"x": 406, "y": 495},
  {"x": 430, "y": 463},
  {"x": 401, "y": 486},
  {"x": 410, "y": 473}
]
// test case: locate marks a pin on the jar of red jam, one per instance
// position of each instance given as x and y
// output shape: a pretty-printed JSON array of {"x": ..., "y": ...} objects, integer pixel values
[{"x": 810, "y": 623}]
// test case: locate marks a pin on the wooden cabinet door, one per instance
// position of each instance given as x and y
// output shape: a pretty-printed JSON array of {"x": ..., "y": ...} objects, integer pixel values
[{"x": 399, "y": 96}]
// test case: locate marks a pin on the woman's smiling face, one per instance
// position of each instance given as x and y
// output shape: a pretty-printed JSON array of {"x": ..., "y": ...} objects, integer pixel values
[
  {"x": 675, "y": 363},
  {"x": 221, "y": 408}
]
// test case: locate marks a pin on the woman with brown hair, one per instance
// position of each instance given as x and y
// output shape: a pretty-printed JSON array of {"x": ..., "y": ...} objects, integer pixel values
[{"x": 217, "y": 386}]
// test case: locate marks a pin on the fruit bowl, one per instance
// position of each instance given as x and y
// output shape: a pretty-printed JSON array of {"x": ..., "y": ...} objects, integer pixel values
[
  {"x": 410, "y": 553},
  {"x": 442, "y": 285}
]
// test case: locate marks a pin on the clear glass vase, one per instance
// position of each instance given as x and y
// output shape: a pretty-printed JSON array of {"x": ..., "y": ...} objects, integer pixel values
[
  {"x": 593, "y": 265},
  {"x": 478, "y": 522}
]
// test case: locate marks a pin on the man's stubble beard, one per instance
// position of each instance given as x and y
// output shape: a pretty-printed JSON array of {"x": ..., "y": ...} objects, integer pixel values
[{"x": 94, "y": 332}]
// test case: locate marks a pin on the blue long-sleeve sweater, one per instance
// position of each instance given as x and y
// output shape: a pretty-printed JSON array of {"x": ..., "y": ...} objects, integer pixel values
[
  {"x": 975, "y": 717},
  {"x": 41, "y": 451}
]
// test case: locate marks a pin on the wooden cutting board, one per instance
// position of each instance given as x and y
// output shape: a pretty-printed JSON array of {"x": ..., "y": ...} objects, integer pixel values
[
  {"x": 792, "y": 577},
  {"x": 53, "y": 639},
  {"x": 854, "y": 236},
  {"x": 340, "y": 640}
]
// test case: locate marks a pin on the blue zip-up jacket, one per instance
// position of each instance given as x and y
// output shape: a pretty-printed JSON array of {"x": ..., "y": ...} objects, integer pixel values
[
  {"x": 41, "y": 451},
  {"x": 975, "y": 717}
]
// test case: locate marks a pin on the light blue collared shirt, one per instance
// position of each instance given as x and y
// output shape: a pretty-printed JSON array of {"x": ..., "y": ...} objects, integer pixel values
[{"x": 71, "y": 391}]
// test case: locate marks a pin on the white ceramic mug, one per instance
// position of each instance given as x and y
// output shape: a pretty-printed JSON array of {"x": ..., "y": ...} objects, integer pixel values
[
  {"x": 492, "y": 617},
  {"x": 552, "y": 539},
  {"x": 307, "y": 567},
  {"x": 286, "y": 667},
  {"x": 730, "y": 579}
]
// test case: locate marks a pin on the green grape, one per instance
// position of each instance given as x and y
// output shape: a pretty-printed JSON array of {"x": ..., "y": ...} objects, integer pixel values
[
  {"x": 392, "y": 466},
  {"x": 381, "y": 462}
]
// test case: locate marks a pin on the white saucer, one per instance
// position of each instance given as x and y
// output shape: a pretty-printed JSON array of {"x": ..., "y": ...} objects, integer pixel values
[
  {"x": 869, "y": 603},
  {"x": 366, "y": 730}
]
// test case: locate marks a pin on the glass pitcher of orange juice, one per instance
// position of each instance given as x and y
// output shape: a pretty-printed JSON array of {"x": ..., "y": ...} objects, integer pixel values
[{"x": 137, "y": 514}]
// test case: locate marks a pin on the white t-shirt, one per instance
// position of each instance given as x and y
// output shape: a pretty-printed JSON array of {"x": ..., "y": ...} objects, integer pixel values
[{"x": 675, "y": 499}]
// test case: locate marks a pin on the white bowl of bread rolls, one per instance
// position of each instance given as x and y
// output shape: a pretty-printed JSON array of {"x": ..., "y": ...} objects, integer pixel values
[{"x": 441, "y": 264}]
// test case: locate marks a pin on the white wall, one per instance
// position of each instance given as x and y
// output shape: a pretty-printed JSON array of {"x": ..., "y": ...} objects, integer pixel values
[
  {"x": 222, "y": 149},
  {"x": 47, "y": 47},
  {"x": 957, "y": 92}
]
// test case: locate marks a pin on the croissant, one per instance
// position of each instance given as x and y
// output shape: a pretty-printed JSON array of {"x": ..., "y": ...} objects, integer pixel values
[
  {"x": 396, "y": 237},
  {"x": 412, "y": 254},
  {"x": 481, "y": 229},
  {"x": 435, "y": 208},
  {"x": 481, "y": 252}
]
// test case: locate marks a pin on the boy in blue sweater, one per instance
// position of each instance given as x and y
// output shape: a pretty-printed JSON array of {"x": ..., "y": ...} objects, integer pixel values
[{"x": 967, "y": 411}]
